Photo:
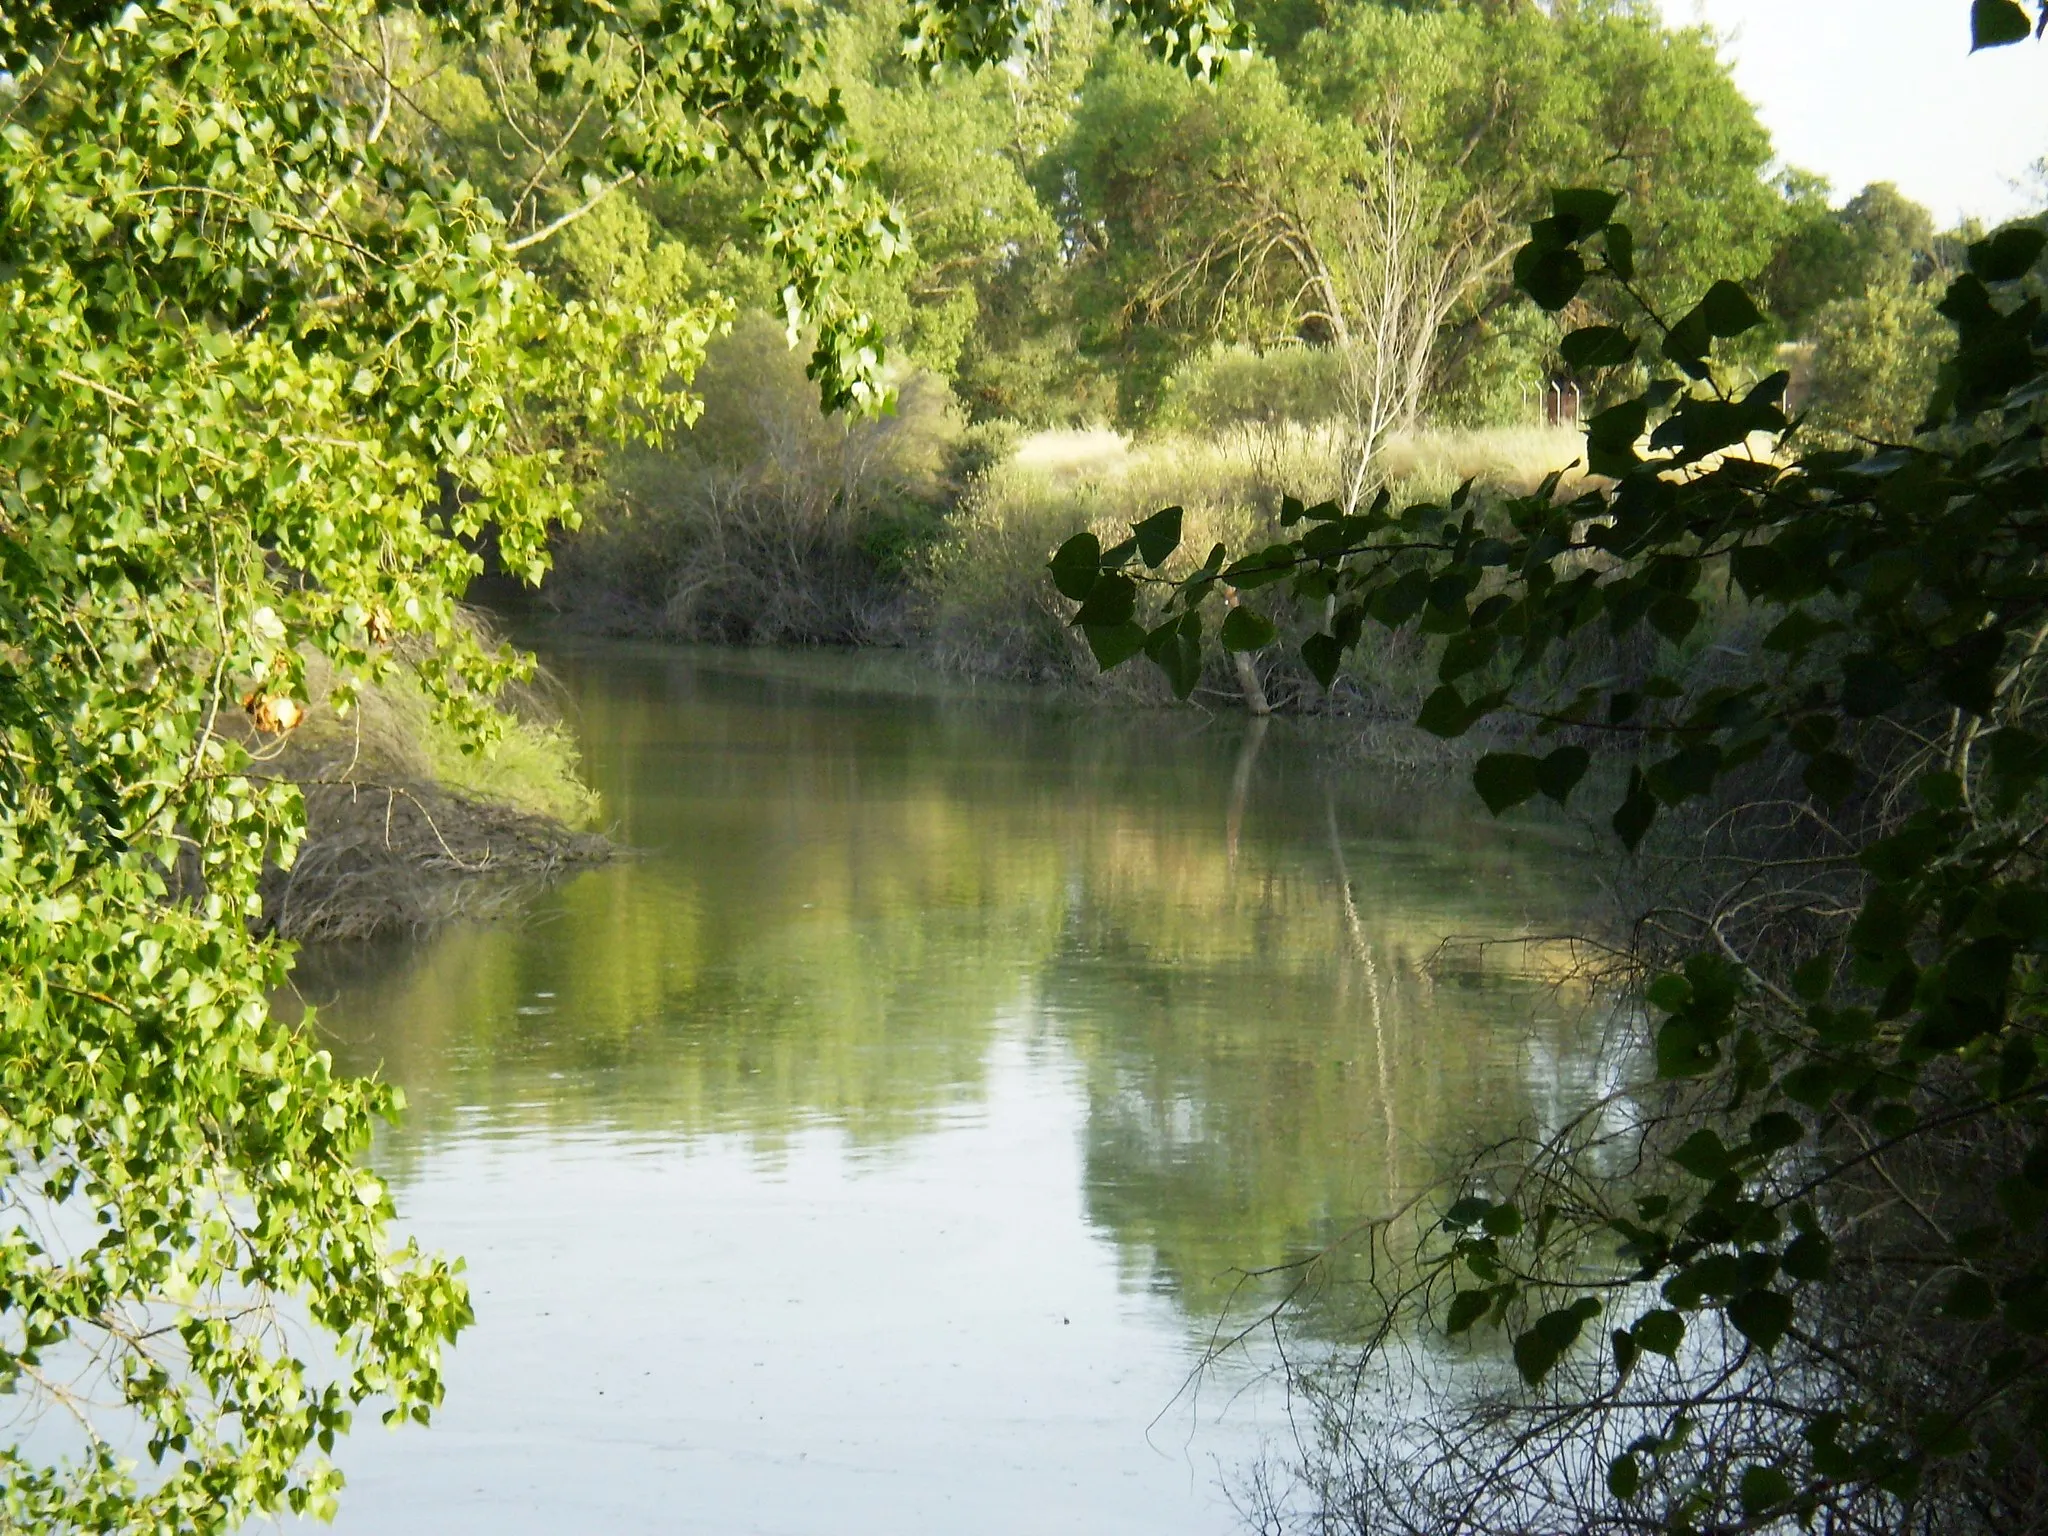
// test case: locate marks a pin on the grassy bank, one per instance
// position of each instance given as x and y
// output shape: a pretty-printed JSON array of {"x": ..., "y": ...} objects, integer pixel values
[
  {"x": 769, "y": 524},
  {"x": 406, "y": 829},
  {"x": 985, "y": 607}
]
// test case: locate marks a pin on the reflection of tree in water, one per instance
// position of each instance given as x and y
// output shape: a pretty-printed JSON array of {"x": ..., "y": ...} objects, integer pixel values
[
  {"x": 1291, "y": 1056},
  {"x": 843, "y": 897}
]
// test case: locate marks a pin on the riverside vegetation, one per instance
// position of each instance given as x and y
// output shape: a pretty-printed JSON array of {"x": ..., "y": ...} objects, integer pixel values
[
  {"x": 1292, "y": 280},
  {"x": 308, "y": 308}
]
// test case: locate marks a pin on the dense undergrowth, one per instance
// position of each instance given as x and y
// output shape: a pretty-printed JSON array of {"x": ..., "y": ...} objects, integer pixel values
[{"x": 769, "y": 523}]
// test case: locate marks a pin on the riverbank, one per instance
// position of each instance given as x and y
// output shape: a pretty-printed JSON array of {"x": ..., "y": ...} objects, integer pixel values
[
  {"x": 406, "y": 830},
  {"x": 770, "y": 525}
]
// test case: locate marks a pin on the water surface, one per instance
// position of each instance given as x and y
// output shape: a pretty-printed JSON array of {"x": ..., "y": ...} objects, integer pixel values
[{"x": 877, "y": 1151}]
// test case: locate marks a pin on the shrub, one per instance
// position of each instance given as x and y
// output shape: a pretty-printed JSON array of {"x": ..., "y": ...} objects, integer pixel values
[{"x": 769, "y": 521}]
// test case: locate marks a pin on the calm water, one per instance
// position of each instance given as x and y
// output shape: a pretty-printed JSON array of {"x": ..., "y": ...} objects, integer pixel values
[{"x": 877, "y": 1151}]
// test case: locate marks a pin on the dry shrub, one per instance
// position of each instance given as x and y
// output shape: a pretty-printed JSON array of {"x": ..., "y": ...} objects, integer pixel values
[{"x": 769, "y": 521}]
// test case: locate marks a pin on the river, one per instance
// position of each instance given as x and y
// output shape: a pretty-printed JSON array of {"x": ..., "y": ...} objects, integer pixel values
[{"x": 877, "y": 1149}]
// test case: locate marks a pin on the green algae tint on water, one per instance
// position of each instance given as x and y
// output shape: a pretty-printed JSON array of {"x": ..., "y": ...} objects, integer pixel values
[{"x": 877, "y": 1150}]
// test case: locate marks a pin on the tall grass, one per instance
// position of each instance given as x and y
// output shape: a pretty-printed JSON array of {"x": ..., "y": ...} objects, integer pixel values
[{"x": 986, "y": 606}]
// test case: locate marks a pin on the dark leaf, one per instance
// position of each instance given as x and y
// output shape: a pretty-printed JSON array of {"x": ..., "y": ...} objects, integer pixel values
[
  {"x": 1585, "y": 208},
  {"x": 1467, "y": 1307},
  {"x": 1597, "y": 346},
  {"x": 1762, "y": 1317},
  {"x": 1763, "y": 1489},
  {"x": 1870, "y": 685},
  {"x": 1995, "y": 23},
  {"x": 1505, "y": 779},
  {"x": 1322, "y": 655},
  {"x": 1830, "y": 777},
  {"x": 1076, "y": 564},
  {"x": 1445, "y": 713},
  {"x": 1728, "y": 311},
  {"x": 1114, "y": 644},
  {"x": 1538, "y": 1350},
  {"x": 1809, "y": 1256},
  {"x": 1624, "y": 1476},
  {"x": 1158, "y": 536},
  {"x": 1552, "y": 275},
  {"x": 1560, "y": 772},
  {"x": 1637, "y": 811},
  {"x": 1626, "y": 1351},
  {"x": 1111, "y": 601},
  {"x": 2008, "y": 255},
  {"x": 1660, "y": 1332},
  {"x": 1621, "y": 251}
]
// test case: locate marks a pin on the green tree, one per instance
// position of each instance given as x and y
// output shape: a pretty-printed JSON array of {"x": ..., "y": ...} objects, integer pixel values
[
  {"x": 270, "y": 361},
  {"x": 1395, "y": 152}
]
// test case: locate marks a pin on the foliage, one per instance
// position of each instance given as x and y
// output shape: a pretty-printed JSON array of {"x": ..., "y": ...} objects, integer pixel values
[
  {"x": 1875, "y": 358},
  {"x": 770, "y": 522},
  {"x": 1828, "y": 254},
  {"x": 268, "y": 368},
  {"x": 1236, "y": 386},
  {"x": 1852, "y": 1028},
  {"x": 1246, "y": 210}
]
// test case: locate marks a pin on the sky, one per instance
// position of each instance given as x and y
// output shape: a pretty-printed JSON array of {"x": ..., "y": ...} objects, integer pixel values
[{"x": 1887, "y": 90}]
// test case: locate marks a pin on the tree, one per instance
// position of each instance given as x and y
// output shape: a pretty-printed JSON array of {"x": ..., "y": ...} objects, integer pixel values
[
  {"x": 1816, "y": 1241},
  {"x": 1256, "y": 209},
  {"x": 269, "y": 365}
]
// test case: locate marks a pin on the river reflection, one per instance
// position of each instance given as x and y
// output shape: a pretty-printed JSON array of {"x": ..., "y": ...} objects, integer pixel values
[{"x": 871, "y": 1153}]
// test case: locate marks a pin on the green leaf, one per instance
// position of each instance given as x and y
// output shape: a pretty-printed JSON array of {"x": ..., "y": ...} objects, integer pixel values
[
  {"x": 1445, "y": 713},
  {"x": 1244, "y": 630},
  {"x": 1538, "y": 1350},
  {"x": 1871, "y": 684},
  {"x": 1505, "y": 779},
  {"x": 1322, "y": 655},
  {"x": 1728, "y": 311},
  {"x": 1611, "y": 437},
  {"x": 1995, "y": 23},
  {"x": 1467, "y": 1308},
  {"x": 1585, "y": 208},
  {"x": 2008, "y": 255},
  {"x": 1076, "y": 565},
  {"x": 1626, "y": 1351},
  {"x": 1830, "y": 777},
  {"x": 1620, "y": 243},
  {"x": 1637, "y": 811},
  {"x": 1763, "y": 1489},
  {"x": 1552, "y": 275},
  {"x": 1597, "y": 346},
  {"x": 1809, "y": 1256},
  {"x": 1703, "y": 1155},
  {"x": 1158, "y": 536},
  {"x": 1660, "y": 1332},
  {"x": 1624, "y": 1476},
  {"x": 1114, "y": 644}
]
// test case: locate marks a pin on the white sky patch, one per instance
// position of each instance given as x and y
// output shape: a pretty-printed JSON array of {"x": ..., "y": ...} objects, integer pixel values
[{"x": 1887, "y": 90}]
